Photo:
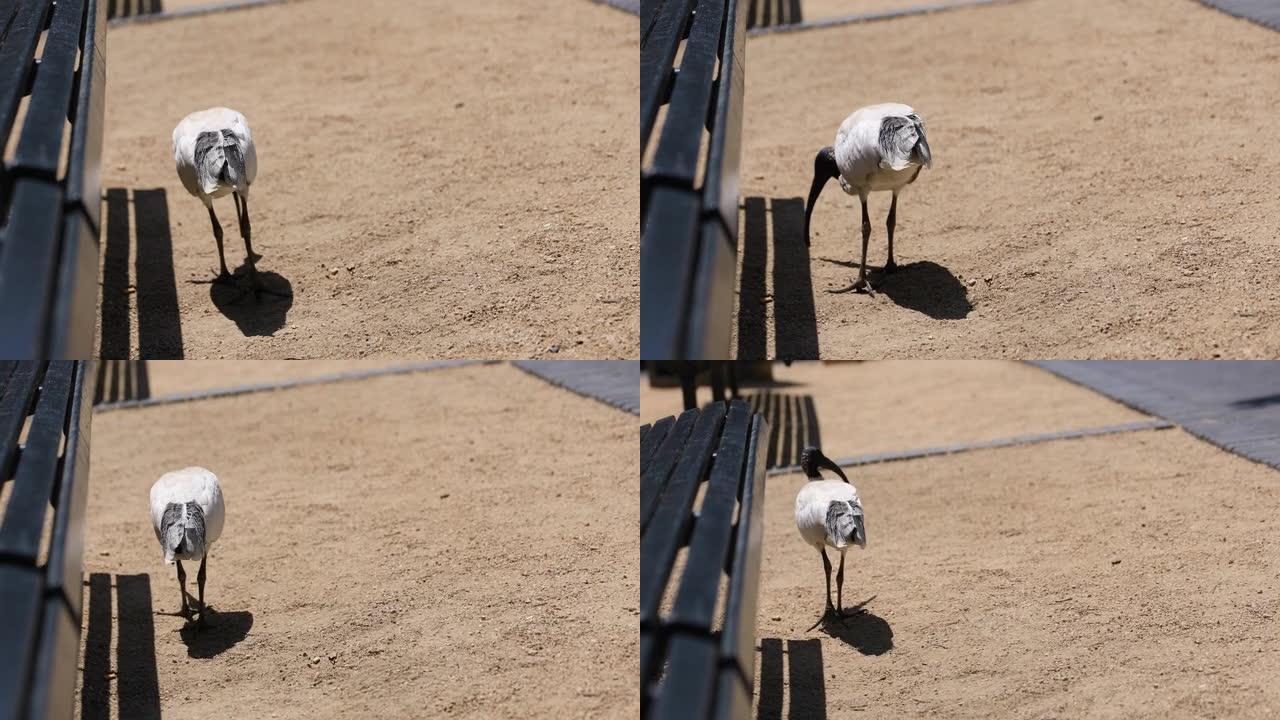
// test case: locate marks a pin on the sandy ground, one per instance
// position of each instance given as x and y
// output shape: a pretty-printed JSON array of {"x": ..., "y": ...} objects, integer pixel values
[
  {"x": 173, "y": 376},
  {"x": 1105, "y": 185},
  {"x": 1126, "y": 576},
  {"x": 439, "y": 549},
  {"x": 894, "y": 405},
  {"x": 435, "y": 179}
]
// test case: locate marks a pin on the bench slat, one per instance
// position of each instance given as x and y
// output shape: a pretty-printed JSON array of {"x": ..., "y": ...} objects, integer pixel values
[
  {"x": 17, "y": 56},
  {"x": 676, "y": 160},
  {"x": 83, "y": 182},
  {"x": 721, "y": 188},
  {"x": 15, "y": 405},
  {"x": 53, "y": 685},
  {"x": 733, "y": 699},
  {"x": 695, "y": 604},
  {"x": 654, "y": 480},
  {"x": 65, "y": 566},
  {"x": 75, "y": 306},
  {"x": 709, "y": 329},
  {"x": 28, "y": 265},
  {"x": 659, "y": 42},
  {"x": 651, "y": 442},
  {"x": 20, "y": 603},
  {"x": 673, "y": 517},
  {"x": 738, "y": 637},
  {"x": 686, "y": 690},
  {"x": 33, "y": 484},
  {"x": 40, "y": 146},
  {"x": 668, "y": 256}
]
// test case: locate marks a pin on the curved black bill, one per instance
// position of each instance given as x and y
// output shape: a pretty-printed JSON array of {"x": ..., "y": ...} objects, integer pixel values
[
  {"x": 827, "y": 463},
  {"x": 824, "y": 168}
]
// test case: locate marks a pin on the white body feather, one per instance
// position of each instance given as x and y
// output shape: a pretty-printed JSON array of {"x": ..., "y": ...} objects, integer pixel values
[
  {"x": 193, "y": 484},
  {"x": 863, "y": 167},
  {"x": 185, "y": 136},
  {"x": 811, "y": 509}
]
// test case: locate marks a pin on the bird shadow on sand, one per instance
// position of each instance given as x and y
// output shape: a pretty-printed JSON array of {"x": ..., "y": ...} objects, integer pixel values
[
  {"x": 795, "y": 320},
  {"x": 261, "y": 314},
  {"x": 923, "y": 286},
  {"x": 861, "y": 629},
  {"x": 223, "y": 631}
]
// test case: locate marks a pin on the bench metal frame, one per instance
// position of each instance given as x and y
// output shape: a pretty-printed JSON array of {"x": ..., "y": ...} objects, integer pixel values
[
  {"x": 41, "y": 604},
  {"x": 688, "y": 668},
  {"x": 688, "y": 222},
  {"x": 49, "y": 214}
]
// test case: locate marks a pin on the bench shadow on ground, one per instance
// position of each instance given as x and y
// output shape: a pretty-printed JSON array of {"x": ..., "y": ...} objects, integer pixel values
[
  {"x": 767, "y": 13},
  {"x": 804, "y": 673},
  {"x": 154, "y": 291},
  {"x": 121, "y": 380},
  {"x": 133, "y": 8},
  {"x": 260, "y": 315},
  {"x": 137, "y": 684},
  {"x": 795, "y": 320}
]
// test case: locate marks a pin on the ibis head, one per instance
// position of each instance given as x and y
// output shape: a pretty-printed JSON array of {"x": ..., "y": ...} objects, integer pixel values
[{"x": 812, "y": 459}]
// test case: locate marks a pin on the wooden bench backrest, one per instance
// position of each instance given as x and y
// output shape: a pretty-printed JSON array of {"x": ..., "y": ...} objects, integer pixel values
[
  {"x": 688, "y": 196},
  {"x": 688, "y": 668},
  {"x": 50, "y": 191},
  {"x": 40, "y": 604}
]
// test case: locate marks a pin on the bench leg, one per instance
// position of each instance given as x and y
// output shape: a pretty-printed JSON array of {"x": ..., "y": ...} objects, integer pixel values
[{"x": 689, "y": 386}]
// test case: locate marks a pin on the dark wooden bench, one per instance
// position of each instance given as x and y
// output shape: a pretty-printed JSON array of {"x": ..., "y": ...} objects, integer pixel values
[
  {"x": 688, "y": 194},
  {"x": 50, "y": 190},
  {"x": 693, "y": 662},
  {"x": 40, "y": 597}
]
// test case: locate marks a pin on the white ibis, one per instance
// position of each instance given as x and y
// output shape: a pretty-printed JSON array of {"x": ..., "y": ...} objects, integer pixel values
[
  {"x": 878, "y": 147},
  {"x": 187, "y": 512},
  {"x": 829, "y": 514},
  {"x": 215, "y": 156}
]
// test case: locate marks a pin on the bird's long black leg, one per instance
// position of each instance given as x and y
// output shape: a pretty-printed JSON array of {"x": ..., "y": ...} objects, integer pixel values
[
  {"x": 890, "y": 266},
  {"x": 242, "y": 214},
  {"x": 840, "y": 587},
  {"x": 200, "y": 582},
  {"x": 242, "y": 208},
  {"x": 826, "y": 610},
  {"x": 860, "y": 285},
  {"x": 182, "y": 587},
  {"x": 225, "y": 275}
]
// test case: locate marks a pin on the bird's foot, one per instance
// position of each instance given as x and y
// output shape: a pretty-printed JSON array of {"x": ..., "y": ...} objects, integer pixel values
[
  {"x": 222, "y": 278},
  {"x": 828, "y": 614},
  {"x": 859, "y": 286},
  {"x": 889, "y": 267},
  {"x": 845, "y": 613}
]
